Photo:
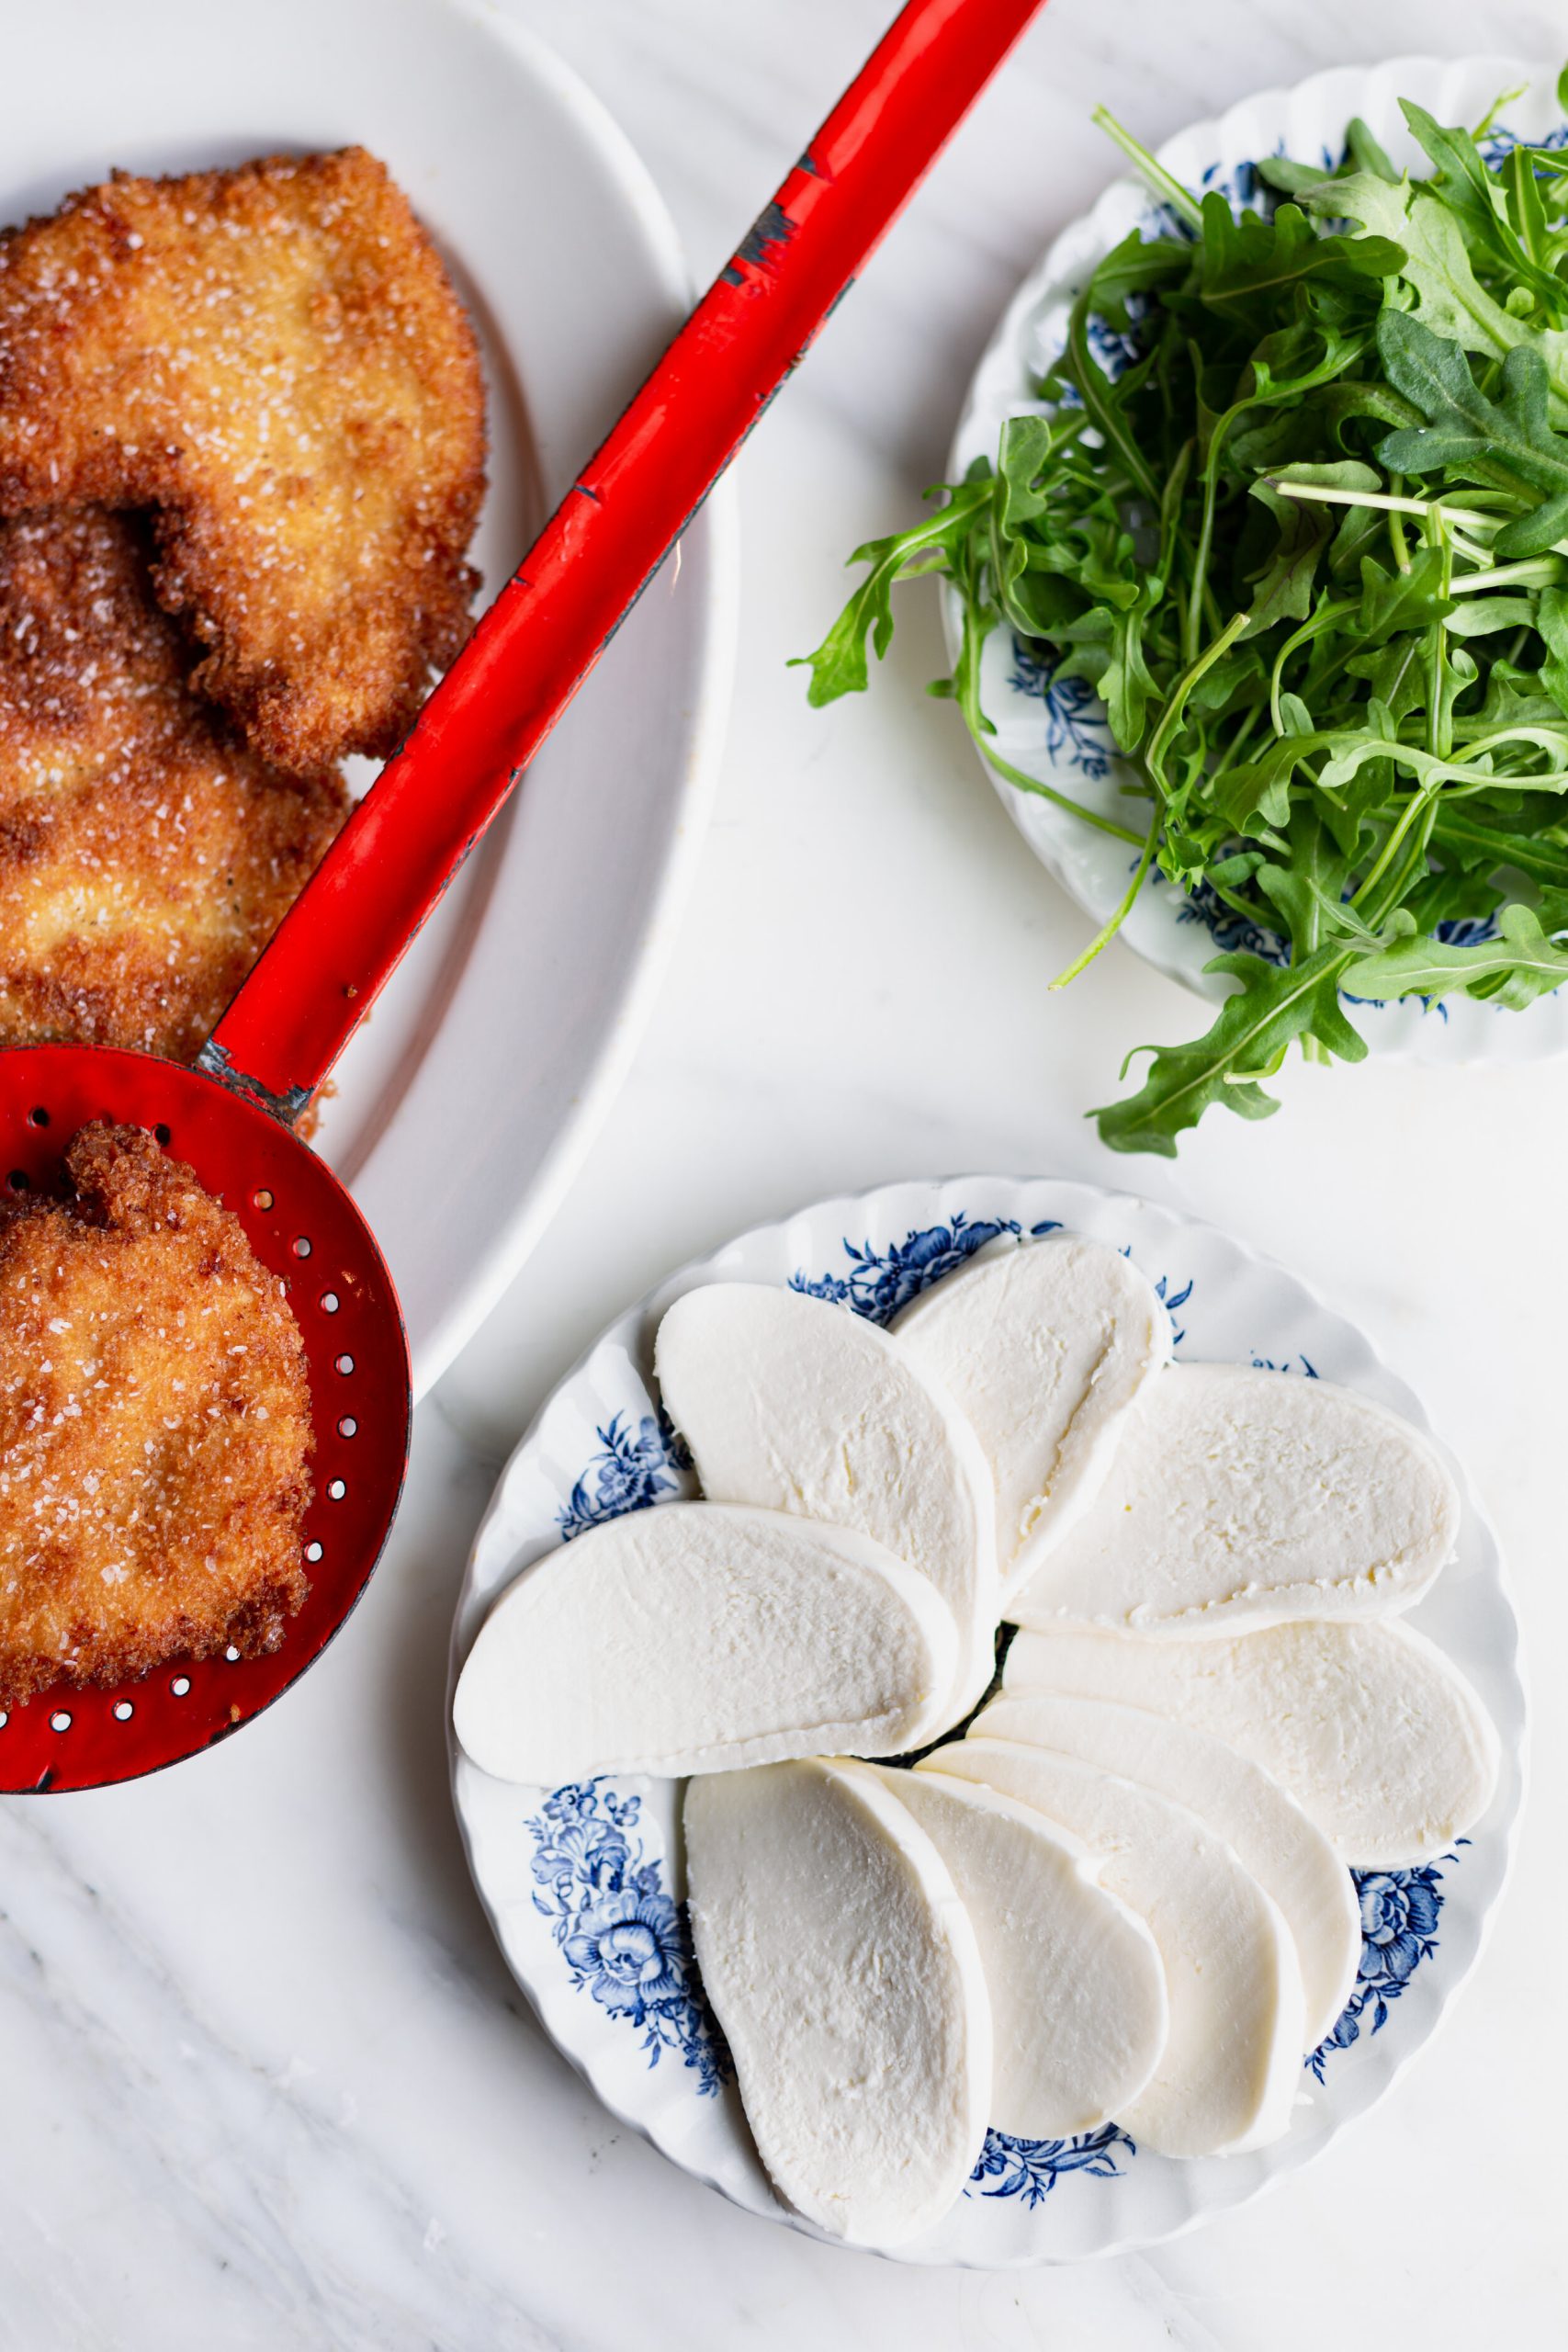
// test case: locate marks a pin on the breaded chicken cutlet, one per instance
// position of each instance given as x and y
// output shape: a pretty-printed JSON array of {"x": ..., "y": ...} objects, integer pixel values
[
  {"x": 146, "y": 855},
  {"x": 155, "y": 1428},
  {"x": 274, "y": 359}
]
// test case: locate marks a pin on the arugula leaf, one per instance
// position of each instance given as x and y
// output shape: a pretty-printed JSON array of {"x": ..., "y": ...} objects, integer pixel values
[
  {"x": 1273, "y": 1007},
  {"x": 1294, "y": 506},
  {"x": 1252, "y": 263},
  {"x": 1512, "y": 969},
  {"x": 1462, "y": 424},
  {"x": 1438, "y": 268},
  {"x": 838, "y": 666}
]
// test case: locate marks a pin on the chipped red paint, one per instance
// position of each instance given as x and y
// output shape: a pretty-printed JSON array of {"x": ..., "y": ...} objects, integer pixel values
[{"x": 549, "y": 626}]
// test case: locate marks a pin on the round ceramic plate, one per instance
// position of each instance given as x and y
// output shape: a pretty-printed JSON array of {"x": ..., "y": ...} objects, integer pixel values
[
  {"x": 1058, "y": 733},
  {"x": 582, "y": 1884},
  {"x": 466, "y": 1101}
]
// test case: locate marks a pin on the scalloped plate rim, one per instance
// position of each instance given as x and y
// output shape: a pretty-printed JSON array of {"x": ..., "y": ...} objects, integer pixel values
[{"x": 847, "y": 1213}]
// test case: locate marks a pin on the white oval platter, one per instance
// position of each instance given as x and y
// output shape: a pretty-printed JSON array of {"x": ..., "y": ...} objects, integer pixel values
[
  {"x": 464, "y": 1105},
  {"x": 582, "y": 1884},
  {"x": 1058, "y": 734}
]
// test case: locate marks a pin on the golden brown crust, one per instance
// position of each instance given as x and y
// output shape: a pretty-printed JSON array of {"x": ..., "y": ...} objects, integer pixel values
[
  {"x": 155, "y": 1428},
  {"x": 275, "y": 360},
  {"x": 146, "y": 855}
]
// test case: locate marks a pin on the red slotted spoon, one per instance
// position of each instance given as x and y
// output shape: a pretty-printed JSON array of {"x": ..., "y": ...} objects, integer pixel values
[{"x": 231, "y": 1117}]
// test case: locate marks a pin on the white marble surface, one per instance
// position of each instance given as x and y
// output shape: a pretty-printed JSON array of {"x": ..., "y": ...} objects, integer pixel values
[{"x": 267, "y": 2083}]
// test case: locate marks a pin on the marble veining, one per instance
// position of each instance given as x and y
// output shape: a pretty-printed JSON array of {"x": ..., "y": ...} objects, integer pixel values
[{"x": 268, "y": 2084}]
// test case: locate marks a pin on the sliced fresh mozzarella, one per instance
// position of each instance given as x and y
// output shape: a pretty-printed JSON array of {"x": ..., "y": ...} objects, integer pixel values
[
  {"x": 1373, "y": 1728},
  {"x": 693, "y": 1638},
  {"x": 1241, "y": 1498},
  {"x": 1078, "y": 2012},
  {"x": 1228, "y": 2076},
  {"x": 802, "y": 1406},
  {"x": 1286, "y": 1852},
  {"x": 844, "y": 1972},
  {"x": 1043, "y": 1347}
]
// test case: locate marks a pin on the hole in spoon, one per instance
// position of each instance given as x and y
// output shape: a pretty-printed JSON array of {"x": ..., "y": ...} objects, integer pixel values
[
  {"x": 344, "y": 1364},
  {"x": 39, "y": 1118},
  {"x": 60, "y": 1720},
  {"x": 124, "y": 1712},
  {"x": 337, "y": 1490},
  {"x": 302, "y": 1245},
  {"x": 330, "y": 1301}
]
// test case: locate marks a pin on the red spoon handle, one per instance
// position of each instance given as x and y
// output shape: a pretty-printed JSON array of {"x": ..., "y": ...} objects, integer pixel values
[{"x": 546, "y": 629}]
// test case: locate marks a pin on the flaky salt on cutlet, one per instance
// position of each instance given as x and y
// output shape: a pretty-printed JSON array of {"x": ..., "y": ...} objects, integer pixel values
[
  {"x": 274, "y": 360},
  {"x": 155, "y": 1427},
  {"x": 146, "y": 855}
]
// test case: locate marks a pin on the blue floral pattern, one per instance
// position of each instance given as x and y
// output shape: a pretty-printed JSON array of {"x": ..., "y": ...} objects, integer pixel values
[
  {"x": 882, "y": 1281},
  {"x": 1030, "y": 2168},
  {"x": 1173, "y": 1300},
  {"x": 1501, "y": 142},
  {"x": 1077, "y": 733},
  {"x": 636, "y": 1466},
  {"x": 1399, "y": 1929},
  {"x": 625, "y": 1941}
]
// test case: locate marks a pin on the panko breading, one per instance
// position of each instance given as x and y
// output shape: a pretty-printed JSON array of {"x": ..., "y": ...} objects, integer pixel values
[
  {"x": 155, "y": 1428},
  {"x": 146, "y": 855},
  {"x": 273, "y": 359}
]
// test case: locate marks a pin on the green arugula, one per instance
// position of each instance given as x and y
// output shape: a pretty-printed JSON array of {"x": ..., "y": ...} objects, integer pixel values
[{"x": 1310, "y": 548}]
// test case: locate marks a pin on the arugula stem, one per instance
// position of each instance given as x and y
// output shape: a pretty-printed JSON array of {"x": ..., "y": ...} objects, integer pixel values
[
  {"x": 1169, "y": 190},
  {"x": 1108, "y": 931},
  {"x": 1396, "y": 539},
  {"x": 1154, "y": 759},
  {"x": 1026, "y": 783},
  {"x": 1192, "y": 630},
  {"x": 1335, "y": 610},
  {"x": 1531, "y": 571},
  {"x": 1314, "y": 494}
]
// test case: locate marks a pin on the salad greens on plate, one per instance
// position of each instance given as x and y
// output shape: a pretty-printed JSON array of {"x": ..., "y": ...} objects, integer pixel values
[{"x": 1306, "y": 537}]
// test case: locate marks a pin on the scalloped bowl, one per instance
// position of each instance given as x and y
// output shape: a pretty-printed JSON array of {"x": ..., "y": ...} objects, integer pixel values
[{"x": 1058, "y": 734}]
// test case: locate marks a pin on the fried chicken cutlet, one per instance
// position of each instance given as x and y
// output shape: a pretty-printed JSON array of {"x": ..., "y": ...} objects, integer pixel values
[
  {"x": 274, "y": 359},
  {"x": 146, "y": 855},
  {"x": 154, "y": 1427}
]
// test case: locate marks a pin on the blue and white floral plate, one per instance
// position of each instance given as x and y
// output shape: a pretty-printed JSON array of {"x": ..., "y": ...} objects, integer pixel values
[
  {"x": 1058, "y": 734},
  {"x": 583, "y": 1884}
]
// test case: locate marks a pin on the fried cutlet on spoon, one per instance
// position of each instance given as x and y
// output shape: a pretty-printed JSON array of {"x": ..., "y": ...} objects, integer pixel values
[{"x": 230, "y": 1119}]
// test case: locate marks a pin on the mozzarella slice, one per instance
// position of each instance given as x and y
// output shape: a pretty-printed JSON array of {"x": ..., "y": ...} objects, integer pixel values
[
  {"x": 1272, "y": 1836},
  {"x": 844, "y": 1972},
  {"x": 1373, "y": 1728},
  {"x": 1043, "y": 1348},
  {"x": 1228, "y": 2075},
  {"x": 1243, "y": 1497},
  {"x": 802, "y": 1406},
  {"x": 1078, "y": 2012},
  {"x": 691, "y": 1638}
]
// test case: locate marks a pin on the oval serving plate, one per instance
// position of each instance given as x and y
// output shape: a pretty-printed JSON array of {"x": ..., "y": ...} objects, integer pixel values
[
  {"x": 514, "y": 1018},
  {"x": 1059, "y": 733},
  {"x": 582, "y": 1884}
]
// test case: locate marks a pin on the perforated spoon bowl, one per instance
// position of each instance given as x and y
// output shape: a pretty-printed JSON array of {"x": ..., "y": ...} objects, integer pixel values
[{"x": 232, "y": 1116}]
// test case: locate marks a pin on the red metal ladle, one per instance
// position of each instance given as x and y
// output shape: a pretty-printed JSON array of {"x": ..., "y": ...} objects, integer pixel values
[{"x": 231, "y": 1117}]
